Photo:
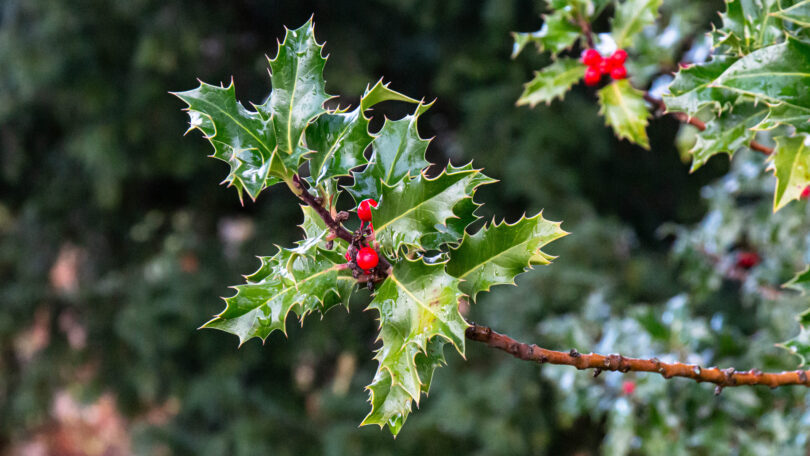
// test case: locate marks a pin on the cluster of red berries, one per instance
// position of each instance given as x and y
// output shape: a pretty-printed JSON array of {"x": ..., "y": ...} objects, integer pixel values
[
  {"x": 367, "y": 257},
  {"x": 598, "y": 66}
]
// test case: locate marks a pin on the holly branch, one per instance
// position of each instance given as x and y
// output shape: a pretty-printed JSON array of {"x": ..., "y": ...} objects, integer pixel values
[{"x": 721, "y": 377}]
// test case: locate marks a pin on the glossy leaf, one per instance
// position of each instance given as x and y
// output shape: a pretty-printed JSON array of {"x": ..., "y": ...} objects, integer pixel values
[
  {"x": 778, "y": 74},
  {"x": 557, "y": 34},
  {"x": 463, "y": 215},
  {"x": 417, "y": 303},
  {"x": 791, "y": 165},
  {"x": 497, "y": 253},
  {"x": 338, "y": 139},
  {"x": 299, "y": 91},
  {"x": 287, "y": 281},
  {"x": 630, "y": 19},
  {"x": 625, "y": 111},
  {"x": 798, "y": 13},
  {"x": 552, "y": 82},
  {"x": 800, "y": 282},
  {"x": 727, "y": 133},
  {"x": 398, "y": 151},
  {"x": 692, "y": 88},
  {"x": 748, "y": 25},
  {"x": 414, "y": 207},
  {"x": 800, "y": 345},
  {"x": 242, "y": 138}
]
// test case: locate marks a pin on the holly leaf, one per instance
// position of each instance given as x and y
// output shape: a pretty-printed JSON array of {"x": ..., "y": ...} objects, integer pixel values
[
  {"x": 413, "y": 207},
  {"x": 800, "y": 345},
  {"x": 497, "y": 253},
  {"x": 785, "y": 114},
  {"x": 791, "y": 165},
  {"x": 463, "y": 215},
  {"x": 798, "y": 13},
  {"x": 692, "y": 89},
  {"x": 242, "y": 138},
  {"x": 418, "y": 305},
  {"x": 264, "y": 146},
  {"x": 339, "y": 139},
  {"x": 551, "y": 82},
  {"x": 729, "y": 132},
  {"x": 398, "y": 151},
  {"x": 557, "y": 34},
  {"x": 299, "y": 91},
  {"x": 297, "y": 280},
  {"x": 624, "y": 110},
  {"x": 630, "y": 19},
  {"x": 800, "y": 282},
  {"x": 778, "y": 75},
  {"x": 748, "y": 25}
]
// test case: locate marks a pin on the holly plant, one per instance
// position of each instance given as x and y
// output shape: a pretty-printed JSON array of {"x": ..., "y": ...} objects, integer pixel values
[
  {"x": 412, "y": 250},
  {"x": 745, "y": 85}
]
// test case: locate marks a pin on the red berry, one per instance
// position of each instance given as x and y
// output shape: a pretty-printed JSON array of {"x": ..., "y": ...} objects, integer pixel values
[
  {"x": 747, "y": 260},
  {"x": 605, "y": 66},
  {"x": 592, "y": 76},
  {"x": 364, "y": 211},
  {"x": 367, "y": 258},
  {"x": 591, "y": 57},
  {"x": 619, "y": 72},
  {"x": 805, "y": 193},
  {"x": 628, "y": 387},
  {"x": 618, "y": 58}
]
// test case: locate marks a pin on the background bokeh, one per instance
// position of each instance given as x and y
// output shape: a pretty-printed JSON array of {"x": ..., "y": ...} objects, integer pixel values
[{"x": 116, "y": 241}]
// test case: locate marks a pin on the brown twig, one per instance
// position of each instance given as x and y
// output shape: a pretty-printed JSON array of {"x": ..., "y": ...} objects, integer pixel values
[
  {"x": 334, "y": 226},
  {"x": 721, "y": 377},
  {"x": 660, "y": 107},
  {"x": 585, "y": 26},
  {"x": 336, "y": 229}
]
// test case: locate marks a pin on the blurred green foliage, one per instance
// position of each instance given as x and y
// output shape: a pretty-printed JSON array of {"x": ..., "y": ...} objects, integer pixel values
[{"x": 115, "y": 239}]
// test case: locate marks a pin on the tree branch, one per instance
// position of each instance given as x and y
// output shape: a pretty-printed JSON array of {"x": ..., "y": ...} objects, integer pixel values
[
  {"x": 355, "y": 240},
  {"x": 585, "y": 26},
  {"x": 721, "y": 377},
  {"x": 312, "y": 201},
  {"x": 659, "y": 106}
]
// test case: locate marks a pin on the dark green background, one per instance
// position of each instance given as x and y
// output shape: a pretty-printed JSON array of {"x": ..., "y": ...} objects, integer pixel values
[{"x": 93, "y": 161}]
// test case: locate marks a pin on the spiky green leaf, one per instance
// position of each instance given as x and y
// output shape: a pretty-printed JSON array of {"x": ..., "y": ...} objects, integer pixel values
[
  {"x": 692, "y": 89},
  {"x": 414, "y": 207},
  {"x": 418, "y": 308},
  {"x": 463, "y": 215},
  {"x": 552, "y": 82},
  {"x": 338, "y": 140},
  {"x": 727, "y": 133},
  {"x": 748, "y": 25},
  {"x": 800, "y": 282},
  {"x": 798, "y": 13},
  {"x": 558, "y": 33},
  {"x": 398, "y": 151},
  {"x": 302, "y": 280},
  {"x": 299, "y": 91},
  {"x": 791, "y": 165},
  {"x": 800, "y": 345},
  {"x": 242, "y": 138},
  {"x": 630, "y": 19},
  {"x": 625, "y": 111},
  {"x": 497, "y": 253},
  {"x": 777, "y": 75}
]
